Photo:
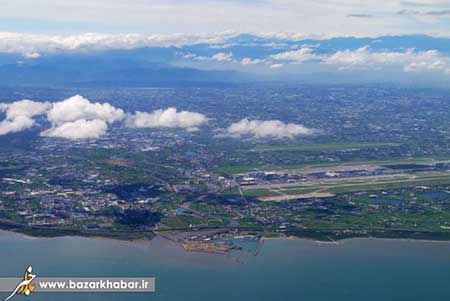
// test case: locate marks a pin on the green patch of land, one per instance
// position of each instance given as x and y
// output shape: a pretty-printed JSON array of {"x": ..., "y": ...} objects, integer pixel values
[
  {"x": 321, "y": 147},
  {"x": 182, "y": 221},
  {"x": 402, "y": 161}
]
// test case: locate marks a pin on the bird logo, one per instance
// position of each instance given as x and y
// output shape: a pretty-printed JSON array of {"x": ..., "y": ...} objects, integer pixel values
[{"x": 25, "y": 287}]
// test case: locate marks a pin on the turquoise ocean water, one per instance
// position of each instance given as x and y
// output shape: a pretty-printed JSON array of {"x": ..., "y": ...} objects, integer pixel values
[{"x": 284, "y": 270}]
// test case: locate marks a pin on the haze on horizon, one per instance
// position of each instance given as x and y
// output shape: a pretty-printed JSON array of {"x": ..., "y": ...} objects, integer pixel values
[{"x": 326, "y": 40}]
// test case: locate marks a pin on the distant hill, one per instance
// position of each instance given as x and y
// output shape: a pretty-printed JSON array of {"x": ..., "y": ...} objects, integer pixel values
[
  {"x": 197, "y": 63},
  {"x": 106, "y": 68}
]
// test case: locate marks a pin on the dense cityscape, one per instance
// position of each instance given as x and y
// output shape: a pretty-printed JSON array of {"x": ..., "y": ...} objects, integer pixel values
[
  {"x": 217, "y": 150},
  {"x": 376, "y": 164}
]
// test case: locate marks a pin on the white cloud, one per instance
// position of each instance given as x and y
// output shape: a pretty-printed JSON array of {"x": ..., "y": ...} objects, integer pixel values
[
  {"x": 78, "y": 118},
  {"x": 31, "y": 55},
  {"x": 325, "y": 17},
  {"x": 363, "y": 57},
  {"x": 192, "y": 56},
  {"x": 19, "y": 115},
  {"x": 219, "y": 57},
  {"x": 430, "y": 60},
  {"x": 168, "y": 118},
  {"x": 223, "y": 57},
  {"x": 17, "y": 124},
  {"x": 78, "y": 107},
  {"x": 410, "y": 60},
  {"x": 267, "y": 129},
  {"x": 79, "y": 129},
  {"x": 276, "y": 66},
  {"x": 249, "y": 61},
  {"x": 302, "y": 55},
  {"x": 34, "y": 45}
]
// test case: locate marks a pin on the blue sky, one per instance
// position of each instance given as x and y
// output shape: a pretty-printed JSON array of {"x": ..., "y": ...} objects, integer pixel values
[
  {"x": 310, "y": 18},
  {"x": 291, "y": 37}
]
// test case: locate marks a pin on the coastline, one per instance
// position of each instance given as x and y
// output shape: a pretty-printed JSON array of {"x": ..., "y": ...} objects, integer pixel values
[
  {"x": 135, "y": 240},
  {"x": 344, "y": 240},
  {"x": 44, "y": 232}
]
